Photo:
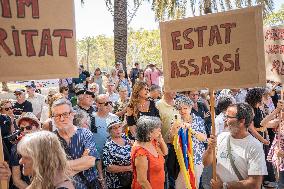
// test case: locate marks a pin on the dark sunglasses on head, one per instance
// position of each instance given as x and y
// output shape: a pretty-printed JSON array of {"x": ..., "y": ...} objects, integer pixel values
[
  {"x": 106, "y": 103},
  {"x": 9, "y": 108},
  {"x": 29, "y": 127}
]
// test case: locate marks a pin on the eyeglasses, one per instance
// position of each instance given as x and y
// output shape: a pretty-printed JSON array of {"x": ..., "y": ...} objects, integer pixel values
[
  {"x": 65, "y": 115},
  {"x": 231, "y": 117},
  {"x": 9, "y": 108},
  {"x": 106, "y": 103},
  {"x": 29, "y": 127}
]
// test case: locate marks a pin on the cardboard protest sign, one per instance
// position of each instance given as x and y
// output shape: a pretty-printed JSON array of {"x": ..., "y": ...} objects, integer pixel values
[
  {"x": 37, "y": 40},
  {"x": 274, "y": 53},
  {"x": 222, "y": 50}
]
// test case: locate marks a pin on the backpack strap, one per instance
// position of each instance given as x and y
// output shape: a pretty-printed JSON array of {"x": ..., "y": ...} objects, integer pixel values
[{"x": 231, "y": 160}]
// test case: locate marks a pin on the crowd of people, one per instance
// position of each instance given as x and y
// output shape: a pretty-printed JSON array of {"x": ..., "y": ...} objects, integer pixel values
[{"x": 119, "y": 130}]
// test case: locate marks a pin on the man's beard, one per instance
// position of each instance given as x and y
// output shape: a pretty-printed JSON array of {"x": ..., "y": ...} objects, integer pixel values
[{"x": 233, "y": 128}]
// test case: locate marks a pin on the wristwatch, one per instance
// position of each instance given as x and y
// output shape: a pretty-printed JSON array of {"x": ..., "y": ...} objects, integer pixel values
[{"x": 225, "y": 185}]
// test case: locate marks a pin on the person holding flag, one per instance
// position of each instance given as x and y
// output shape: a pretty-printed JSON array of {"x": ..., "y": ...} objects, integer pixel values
[{"x": 187, "y": 136}]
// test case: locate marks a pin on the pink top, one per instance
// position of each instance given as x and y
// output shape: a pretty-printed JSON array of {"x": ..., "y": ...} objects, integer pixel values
[{"x": 152, "y": 76}]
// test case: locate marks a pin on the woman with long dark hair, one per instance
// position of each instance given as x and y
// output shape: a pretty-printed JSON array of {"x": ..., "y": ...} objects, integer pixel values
[
  {"x": 255, "y": 99},
  {"x": 140, "y": 105}
]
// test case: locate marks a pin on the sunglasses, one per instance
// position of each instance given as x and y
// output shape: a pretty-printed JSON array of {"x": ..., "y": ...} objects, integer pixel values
[
  {"x": 9, "y": 108},
  {"x": 106, "y": 103},
  {"x": 29, "y": 127},
  {"x": 18, "y": 94}
]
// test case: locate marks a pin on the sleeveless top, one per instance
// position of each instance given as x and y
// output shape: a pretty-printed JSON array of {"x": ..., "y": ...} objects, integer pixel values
[
  {"x": 152, "y": 111},
  {"x": 155, "y": 173}
]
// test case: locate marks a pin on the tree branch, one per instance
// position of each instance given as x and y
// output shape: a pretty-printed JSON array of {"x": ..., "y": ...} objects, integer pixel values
[
  {"x": 109, "y": 6},
  {"x": 133, "y": 12}
]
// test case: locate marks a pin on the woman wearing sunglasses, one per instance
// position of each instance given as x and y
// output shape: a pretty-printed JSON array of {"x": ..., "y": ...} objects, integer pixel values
[
  {"x": 7, "y": 121},
  {"x": 27, "y": 123}
]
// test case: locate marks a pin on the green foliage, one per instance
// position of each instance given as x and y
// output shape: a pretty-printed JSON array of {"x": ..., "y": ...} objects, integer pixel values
[
  {"x": 143, "y": 46},
  {"x": 276, "y": 18},
  {"x": 173, "y": 9},
  {"x": 100, "y": 52}
]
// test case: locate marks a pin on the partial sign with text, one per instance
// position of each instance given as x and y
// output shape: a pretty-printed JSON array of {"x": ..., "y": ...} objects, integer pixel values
[
  {"x": 222, "y": 50},
  {"x": 37, "y": 39},
  {"x": 274, "y": 53}
]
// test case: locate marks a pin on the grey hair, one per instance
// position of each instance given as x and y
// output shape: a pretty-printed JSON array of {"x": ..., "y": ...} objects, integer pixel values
[
  {"x": 145, "y": 125},
  {"x": 79, "y": 117},
  {"x": 62, "y": 101},
  {"x": 183, "y": 100}
]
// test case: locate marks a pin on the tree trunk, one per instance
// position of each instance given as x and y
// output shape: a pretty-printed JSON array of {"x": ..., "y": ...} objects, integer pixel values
[{"x": 120, "y": 31}]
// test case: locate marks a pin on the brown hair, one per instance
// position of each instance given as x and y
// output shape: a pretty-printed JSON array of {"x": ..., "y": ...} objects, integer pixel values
[{"x": 134, "y": 99}]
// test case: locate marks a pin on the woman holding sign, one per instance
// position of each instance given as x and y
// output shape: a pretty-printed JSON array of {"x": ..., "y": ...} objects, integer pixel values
[
  {"x": 255, "y": 99},
  {"x": 276, "y": 152},
  {"x": 190, "y": 134}
]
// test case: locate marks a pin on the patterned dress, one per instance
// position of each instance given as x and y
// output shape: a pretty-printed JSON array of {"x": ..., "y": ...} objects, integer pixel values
[
  {"x": 272, "y": 156},
  {"x": 114, "y": 154},
  {"x": 198, "y": 125}
]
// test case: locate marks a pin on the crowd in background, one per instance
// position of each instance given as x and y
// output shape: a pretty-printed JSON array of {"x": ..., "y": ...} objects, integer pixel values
[{"x": 117, "y": 129}]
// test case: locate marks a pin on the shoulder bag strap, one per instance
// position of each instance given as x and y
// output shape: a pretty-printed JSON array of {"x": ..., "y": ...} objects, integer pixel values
[{"x": 231, "y": 160}]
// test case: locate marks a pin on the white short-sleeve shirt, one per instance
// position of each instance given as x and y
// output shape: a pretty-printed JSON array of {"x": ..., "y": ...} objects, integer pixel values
[{"x": 247, "y": 154}]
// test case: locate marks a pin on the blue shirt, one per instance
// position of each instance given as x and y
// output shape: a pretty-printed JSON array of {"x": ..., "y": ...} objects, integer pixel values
[
  {"x": 102, "y": 134},
  {"x": 81, "y": 140}
]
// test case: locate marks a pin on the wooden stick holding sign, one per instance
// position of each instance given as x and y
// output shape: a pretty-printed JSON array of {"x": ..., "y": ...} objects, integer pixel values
[
  {"x": 281, "y": 116},
  {"x": 4, "y": 183},
  {"x": 213, "y": 129}
]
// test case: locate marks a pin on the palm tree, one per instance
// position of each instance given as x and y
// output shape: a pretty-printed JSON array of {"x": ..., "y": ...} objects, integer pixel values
[{"x": 120, "y": 31}]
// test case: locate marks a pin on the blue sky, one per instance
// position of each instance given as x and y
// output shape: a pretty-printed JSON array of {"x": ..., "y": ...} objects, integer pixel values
[{"x": 94, "y": 19}]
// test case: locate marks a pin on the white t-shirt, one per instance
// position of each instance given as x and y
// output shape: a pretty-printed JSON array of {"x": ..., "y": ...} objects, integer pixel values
[
  {"x": 113, "y": 97},
  {"x": 38, "y": 102},
  {"x": 220, "y": 123},
  {"x": 247, "y": 154}
]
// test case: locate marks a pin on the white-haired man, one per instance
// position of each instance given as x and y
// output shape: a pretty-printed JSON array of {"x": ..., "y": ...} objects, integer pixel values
[{"x": 79, "y": 144}]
